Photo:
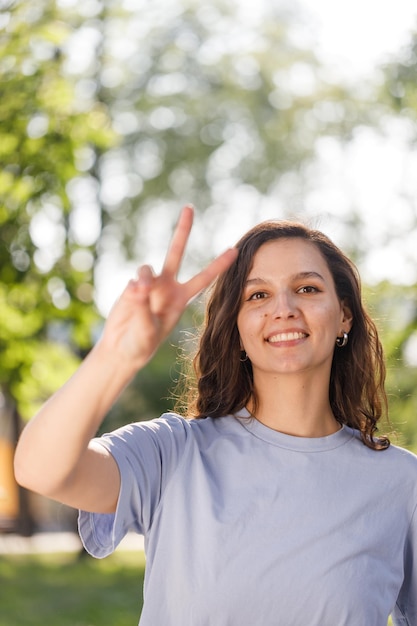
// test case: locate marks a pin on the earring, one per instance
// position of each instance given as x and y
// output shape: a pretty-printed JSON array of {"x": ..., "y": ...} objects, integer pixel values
[
  {"x": 244, "y": 355},
  {"x": 341, "y": 342}
]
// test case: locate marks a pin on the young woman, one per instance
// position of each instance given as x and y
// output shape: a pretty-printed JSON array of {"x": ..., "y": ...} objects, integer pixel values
[{"x": 277, "y": 504}]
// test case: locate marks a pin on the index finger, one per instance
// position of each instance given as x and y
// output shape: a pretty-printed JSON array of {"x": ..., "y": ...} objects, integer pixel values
[
  {"x": 204, "y": 278},
  {"x": 179, "y": 241}
]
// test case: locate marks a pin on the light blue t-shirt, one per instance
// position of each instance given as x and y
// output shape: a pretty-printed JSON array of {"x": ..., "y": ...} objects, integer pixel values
[{"x": 246, "y": 526}]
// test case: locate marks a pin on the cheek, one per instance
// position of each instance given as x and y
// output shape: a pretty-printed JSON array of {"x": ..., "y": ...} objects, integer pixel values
[
  {"x": 332, "y": 317},
  {"x": 242, "y": 326},
  {"x": 249, "y": 324}
]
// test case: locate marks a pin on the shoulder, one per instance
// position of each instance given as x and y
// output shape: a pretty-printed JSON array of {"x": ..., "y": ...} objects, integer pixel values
[
  {"x": 394, "y": 454},
  {"x": 170, "y": 429},
  {"x": 395, "y": 466},
  {"x": 401, "y": 458},
  {"x": 172, "y": 424}
]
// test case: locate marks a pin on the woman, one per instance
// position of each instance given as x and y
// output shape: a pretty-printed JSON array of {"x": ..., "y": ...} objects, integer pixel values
[{"x": 278, "y": 504}]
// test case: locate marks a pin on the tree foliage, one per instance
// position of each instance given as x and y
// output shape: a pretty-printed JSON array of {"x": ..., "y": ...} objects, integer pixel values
[
  {"x": 396, "y": 304},
  {"x": 46, "y": 273},
  {"x": 394, "y": 309},
  {"x": 208, "y": 105}
]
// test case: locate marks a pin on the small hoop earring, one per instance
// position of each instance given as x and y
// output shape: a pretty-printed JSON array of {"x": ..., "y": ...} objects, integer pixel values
[
  {"x": 341, "y": 342},
  {"x": 245, "y": 356}
]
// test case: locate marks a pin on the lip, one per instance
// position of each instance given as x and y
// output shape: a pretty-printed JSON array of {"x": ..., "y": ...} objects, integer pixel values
[{"x": 286, "y": 336}]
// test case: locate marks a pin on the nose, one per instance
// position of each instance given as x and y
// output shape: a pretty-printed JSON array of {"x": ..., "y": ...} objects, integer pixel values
[{"x": 284, "y": 305}]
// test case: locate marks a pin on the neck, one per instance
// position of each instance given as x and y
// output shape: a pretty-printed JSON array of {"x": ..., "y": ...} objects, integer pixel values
[{"x": 298, "y": 407}]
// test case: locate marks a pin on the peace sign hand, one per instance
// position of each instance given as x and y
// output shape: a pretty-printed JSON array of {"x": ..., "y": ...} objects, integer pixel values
[{"x": 150, "y": 306}]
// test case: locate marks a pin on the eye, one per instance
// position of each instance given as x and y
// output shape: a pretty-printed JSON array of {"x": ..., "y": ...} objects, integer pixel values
[
  {"x": 258, "y": 295},
  {"x": 308, "y": 289}
]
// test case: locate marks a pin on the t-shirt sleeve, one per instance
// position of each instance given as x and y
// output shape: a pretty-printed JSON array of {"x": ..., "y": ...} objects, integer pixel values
[
  {"x": 405, "y": 612},
  {"x": 147, "y": 454}
]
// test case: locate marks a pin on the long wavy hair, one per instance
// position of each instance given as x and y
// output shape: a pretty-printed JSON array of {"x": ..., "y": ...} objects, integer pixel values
[{"x": 223, "y": 384}]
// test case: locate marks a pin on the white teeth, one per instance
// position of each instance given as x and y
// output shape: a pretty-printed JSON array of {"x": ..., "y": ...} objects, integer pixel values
[{"x": 286, "y": 337}]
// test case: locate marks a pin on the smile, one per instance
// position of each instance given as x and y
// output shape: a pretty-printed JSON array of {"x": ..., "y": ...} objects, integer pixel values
[{"x": 286, "y": 337}]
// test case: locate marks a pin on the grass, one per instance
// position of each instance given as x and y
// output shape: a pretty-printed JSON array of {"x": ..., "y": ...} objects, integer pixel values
[{"x": 62, "y": 590}]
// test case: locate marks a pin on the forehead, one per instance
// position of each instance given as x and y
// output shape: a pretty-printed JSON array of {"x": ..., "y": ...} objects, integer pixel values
[{"x": 289, "y": 255}]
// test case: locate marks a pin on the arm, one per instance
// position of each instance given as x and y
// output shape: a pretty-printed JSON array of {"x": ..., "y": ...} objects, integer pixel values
[{"x": 55, "y": 455}]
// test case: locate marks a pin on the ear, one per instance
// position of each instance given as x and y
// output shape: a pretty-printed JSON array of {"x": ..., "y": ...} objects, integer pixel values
[{"x": 347, "y": 317}]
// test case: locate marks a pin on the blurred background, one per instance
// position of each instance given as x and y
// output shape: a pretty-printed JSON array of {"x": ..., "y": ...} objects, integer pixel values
[{"x": 115, "y": 114}]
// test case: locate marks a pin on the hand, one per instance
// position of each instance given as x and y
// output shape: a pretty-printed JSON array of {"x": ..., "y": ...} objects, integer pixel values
[{"x": 150, "y": 306}]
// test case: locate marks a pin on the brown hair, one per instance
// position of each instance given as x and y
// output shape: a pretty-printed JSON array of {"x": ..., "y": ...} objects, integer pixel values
[{"x": 224, "y": 384}]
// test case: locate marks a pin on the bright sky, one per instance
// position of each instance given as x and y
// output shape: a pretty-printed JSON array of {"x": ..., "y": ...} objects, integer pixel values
[
  {"x": 376, "y": 172},
  {"x": 357, "y": 34}
]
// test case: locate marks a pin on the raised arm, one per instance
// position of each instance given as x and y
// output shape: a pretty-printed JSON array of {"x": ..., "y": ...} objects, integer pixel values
[{"x": 55, "y": 455}]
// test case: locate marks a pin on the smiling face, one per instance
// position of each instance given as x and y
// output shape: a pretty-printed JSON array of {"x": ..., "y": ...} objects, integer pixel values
[{"x": 290, "y": 314}]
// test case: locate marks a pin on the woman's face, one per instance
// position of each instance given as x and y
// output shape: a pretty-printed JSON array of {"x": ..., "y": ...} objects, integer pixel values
[{"x": 290, "y": 314}]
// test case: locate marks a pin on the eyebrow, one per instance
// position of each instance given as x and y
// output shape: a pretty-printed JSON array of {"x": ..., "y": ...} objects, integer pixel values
[{"x": 299, "y": 276}]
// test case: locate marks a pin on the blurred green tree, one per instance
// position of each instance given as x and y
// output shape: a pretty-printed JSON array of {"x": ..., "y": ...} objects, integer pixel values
[
  {"x": 208, "y": 105},
  {"x": 394, "y": 307},
  {"x": 46, "y": 269},
  {"x": 397, "y": 304}
]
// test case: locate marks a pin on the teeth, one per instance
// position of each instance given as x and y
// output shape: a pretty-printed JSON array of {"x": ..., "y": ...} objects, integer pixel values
[{"x": 286, "y": 337}]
